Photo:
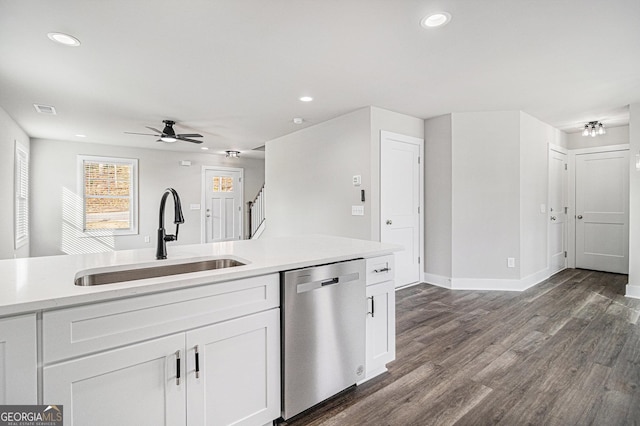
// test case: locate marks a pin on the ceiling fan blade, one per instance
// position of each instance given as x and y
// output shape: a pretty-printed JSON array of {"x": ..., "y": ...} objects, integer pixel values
[
  {"x": 189, "y": 135},
  {"x": 155, "y": 130},
  {"x": 187, "y": 139},
  {"x": 146, "y": 134}
]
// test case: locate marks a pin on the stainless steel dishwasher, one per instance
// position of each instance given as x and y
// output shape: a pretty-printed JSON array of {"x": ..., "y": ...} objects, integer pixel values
[{"x": 324, "y": 311}]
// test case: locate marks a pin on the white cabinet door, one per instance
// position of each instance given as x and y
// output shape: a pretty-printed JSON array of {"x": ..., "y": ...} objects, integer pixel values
[
  {"x": 381, "y": 327},
  {"x": 134, "y": 385},
  {"x": 239, "y": 371},
  {"x": 18, "y": 364}
]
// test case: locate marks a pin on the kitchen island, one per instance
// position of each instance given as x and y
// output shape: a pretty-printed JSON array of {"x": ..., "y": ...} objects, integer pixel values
[{"x": 194, "y": 348}]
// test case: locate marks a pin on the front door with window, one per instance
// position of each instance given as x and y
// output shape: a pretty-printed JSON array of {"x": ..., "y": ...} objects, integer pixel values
[{"x": 223, "y": 204}]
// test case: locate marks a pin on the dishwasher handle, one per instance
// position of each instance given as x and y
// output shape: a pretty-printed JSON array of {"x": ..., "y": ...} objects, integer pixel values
[
  {"x": 303, "y": 287},
  {"x": 332, "y": 281}
]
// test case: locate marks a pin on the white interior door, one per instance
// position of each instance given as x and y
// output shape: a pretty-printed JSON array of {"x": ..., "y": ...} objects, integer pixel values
[
  {"x": 602, "y": 211},
  {"x": 401, "y": 202},
  {"x": 223, "y": 195},
  {"x": 557, "y": 212}
]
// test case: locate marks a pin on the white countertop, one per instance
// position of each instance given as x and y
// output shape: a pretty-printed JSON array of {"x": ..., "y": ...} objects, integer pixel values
[{"x": 41, "y": 283}]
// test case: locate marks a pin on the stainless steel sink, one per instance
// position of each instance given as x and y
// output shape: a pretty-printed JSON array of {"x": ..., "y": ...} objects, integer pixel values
[{"x": 119, "y": 276}]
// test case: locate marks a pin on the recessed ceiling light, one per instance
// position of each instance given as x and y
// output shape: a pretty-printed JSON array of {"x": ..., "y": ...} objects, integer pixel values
[
  {"x": 297, "y": 120},
  {"x": 65, "y": 39},
  {"x": 204, "y": 148},
  {"x": 81, "y": 136},
  {"x": 437, "y": 19},
  {"x": 306, "y": 98}
]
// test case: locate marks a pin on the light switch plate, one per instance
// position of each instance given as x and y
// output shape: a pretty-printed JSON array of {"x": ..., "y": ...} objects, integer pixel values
[
  {"x": 357, "y": 180},
  {"x": 357, "y": 210}
]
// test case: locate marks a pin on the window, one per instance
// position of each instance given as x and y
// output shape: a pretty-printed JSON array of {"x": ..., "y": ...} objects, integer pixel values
[
  {"x": 222, "y": 184},
  {"x": 109, "y": 194},
  {"x": 21, "y": 180}
]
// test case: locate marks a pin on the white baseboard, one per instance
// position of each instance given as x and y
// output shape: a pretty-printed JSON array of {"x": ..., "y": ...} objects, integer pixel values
[
  {"x": 632, "y": 291},
  {"x": 490, "y": 284},
  {"x": 439, "y": 280}
]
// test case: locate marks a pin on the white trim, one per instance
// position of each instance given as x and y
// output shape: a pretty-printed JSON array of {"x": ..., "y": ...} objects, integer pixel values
[
  {"x": 260, "y": 230},
  {"x": 133, "y": 217},
  {"x": 385, "y": 134},
  {"x": 558, "y": 148},
  {"x": 437, "y": 280},
  {"x": 597, "y": 149},
  {"x": 562, "y": 151},
  {"x": 203, "y": 201},
  {"x": 632, "y": 291},
  {"x": 489, "y": 283}
]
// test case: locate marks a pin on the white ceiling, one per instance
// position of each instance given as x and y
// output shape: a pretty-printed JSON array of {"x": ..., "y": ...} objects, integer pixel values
[{"x": 233, "y": 70}]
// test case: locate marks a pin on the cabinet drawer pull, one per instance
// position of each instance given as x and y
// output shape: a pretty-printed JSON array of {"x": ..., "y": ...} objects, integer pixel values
[
  {"x": 197, "y": 363},
  {"x": 378, "y": 271},
  {"x": 177, "y": 368}
]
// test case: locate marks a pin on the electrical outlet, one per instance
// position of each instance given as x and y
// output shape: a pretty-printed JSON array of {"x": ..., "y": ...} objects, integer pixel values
[
  {"x": 147, "y": 239},
  {"x": 511, "y": 262}
]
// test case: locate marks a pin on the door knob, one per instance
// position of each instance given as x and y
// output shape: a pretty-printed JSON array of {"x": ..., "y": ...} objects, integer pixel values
[
  {"x": 389, "y": 222},
  {"x": 553, "y": 218},
  {"x": 579, "y": 216}
]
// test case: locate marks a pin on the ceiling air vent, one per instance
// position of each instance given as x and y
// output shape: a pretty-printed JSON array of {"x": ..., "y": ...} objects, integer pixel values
[{"x": 45, "y": 109}]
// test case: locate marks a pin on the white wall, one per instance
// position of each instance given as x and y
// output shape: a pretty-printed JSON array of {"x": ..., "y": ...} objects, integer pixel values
[
  {"x": 438, "y": 193},
  {"x": 10, "y": 133},
  {"x": 633, "y": 289},
  {"x": 56, "y": 212},
  {"x": 308, "y": 177},
  {"x": 535, "y": 137},
  {"x": 485, "y": 179},
  {"x": 614, "y": 136},
  {"x": 309, "y": 174},
  {"x": 486, "y": 188}
]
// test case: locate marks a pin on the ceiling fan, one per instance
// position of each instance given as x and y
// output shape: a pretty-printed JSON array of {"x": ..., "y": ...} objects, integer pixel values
[{"x": 169, "y": 135}]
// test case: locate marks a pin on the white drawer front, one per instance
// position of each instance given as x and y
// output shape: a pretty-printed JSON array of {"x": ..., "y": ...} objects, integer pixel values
[
  {"x": 76, "y": 331},
  {"x": 380, "y": 269}
]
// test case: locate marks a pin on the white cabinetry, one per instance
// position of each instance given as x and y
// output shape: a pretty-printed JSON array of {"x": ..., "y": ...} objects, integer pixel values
[
  {"x": 381, "y": 316},
  {"x": 133, "y": 385},
  {"x": 239, "y": 371},
  {"x": 201, "y": 356},
  {"x": 18, "y": 360}
]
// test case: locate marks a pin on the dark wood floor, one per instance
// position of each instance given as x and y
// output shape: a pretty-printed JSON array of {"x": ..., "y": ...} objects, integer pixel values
[{"x": 566, "y": 352}]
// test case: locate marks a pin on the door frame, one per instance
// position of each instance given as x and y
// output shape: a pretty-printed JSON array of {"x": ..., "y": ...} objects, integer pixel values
[
  {"x": 564, "y": 151},
  {"x": 203, "y": 201},
  {"x": 385, "y": 134},
  {"x": 571, "y": 219}
]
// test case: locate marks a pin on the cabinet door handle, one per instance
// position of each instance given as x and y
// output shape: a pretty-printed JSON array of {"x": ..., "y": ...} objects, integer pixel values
[
  {"x": 373, "y": 307},
  {"x": 197, "y": 363},
  {"x": 177, "y": 368},
  {"x": 385, "y": 269}
]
